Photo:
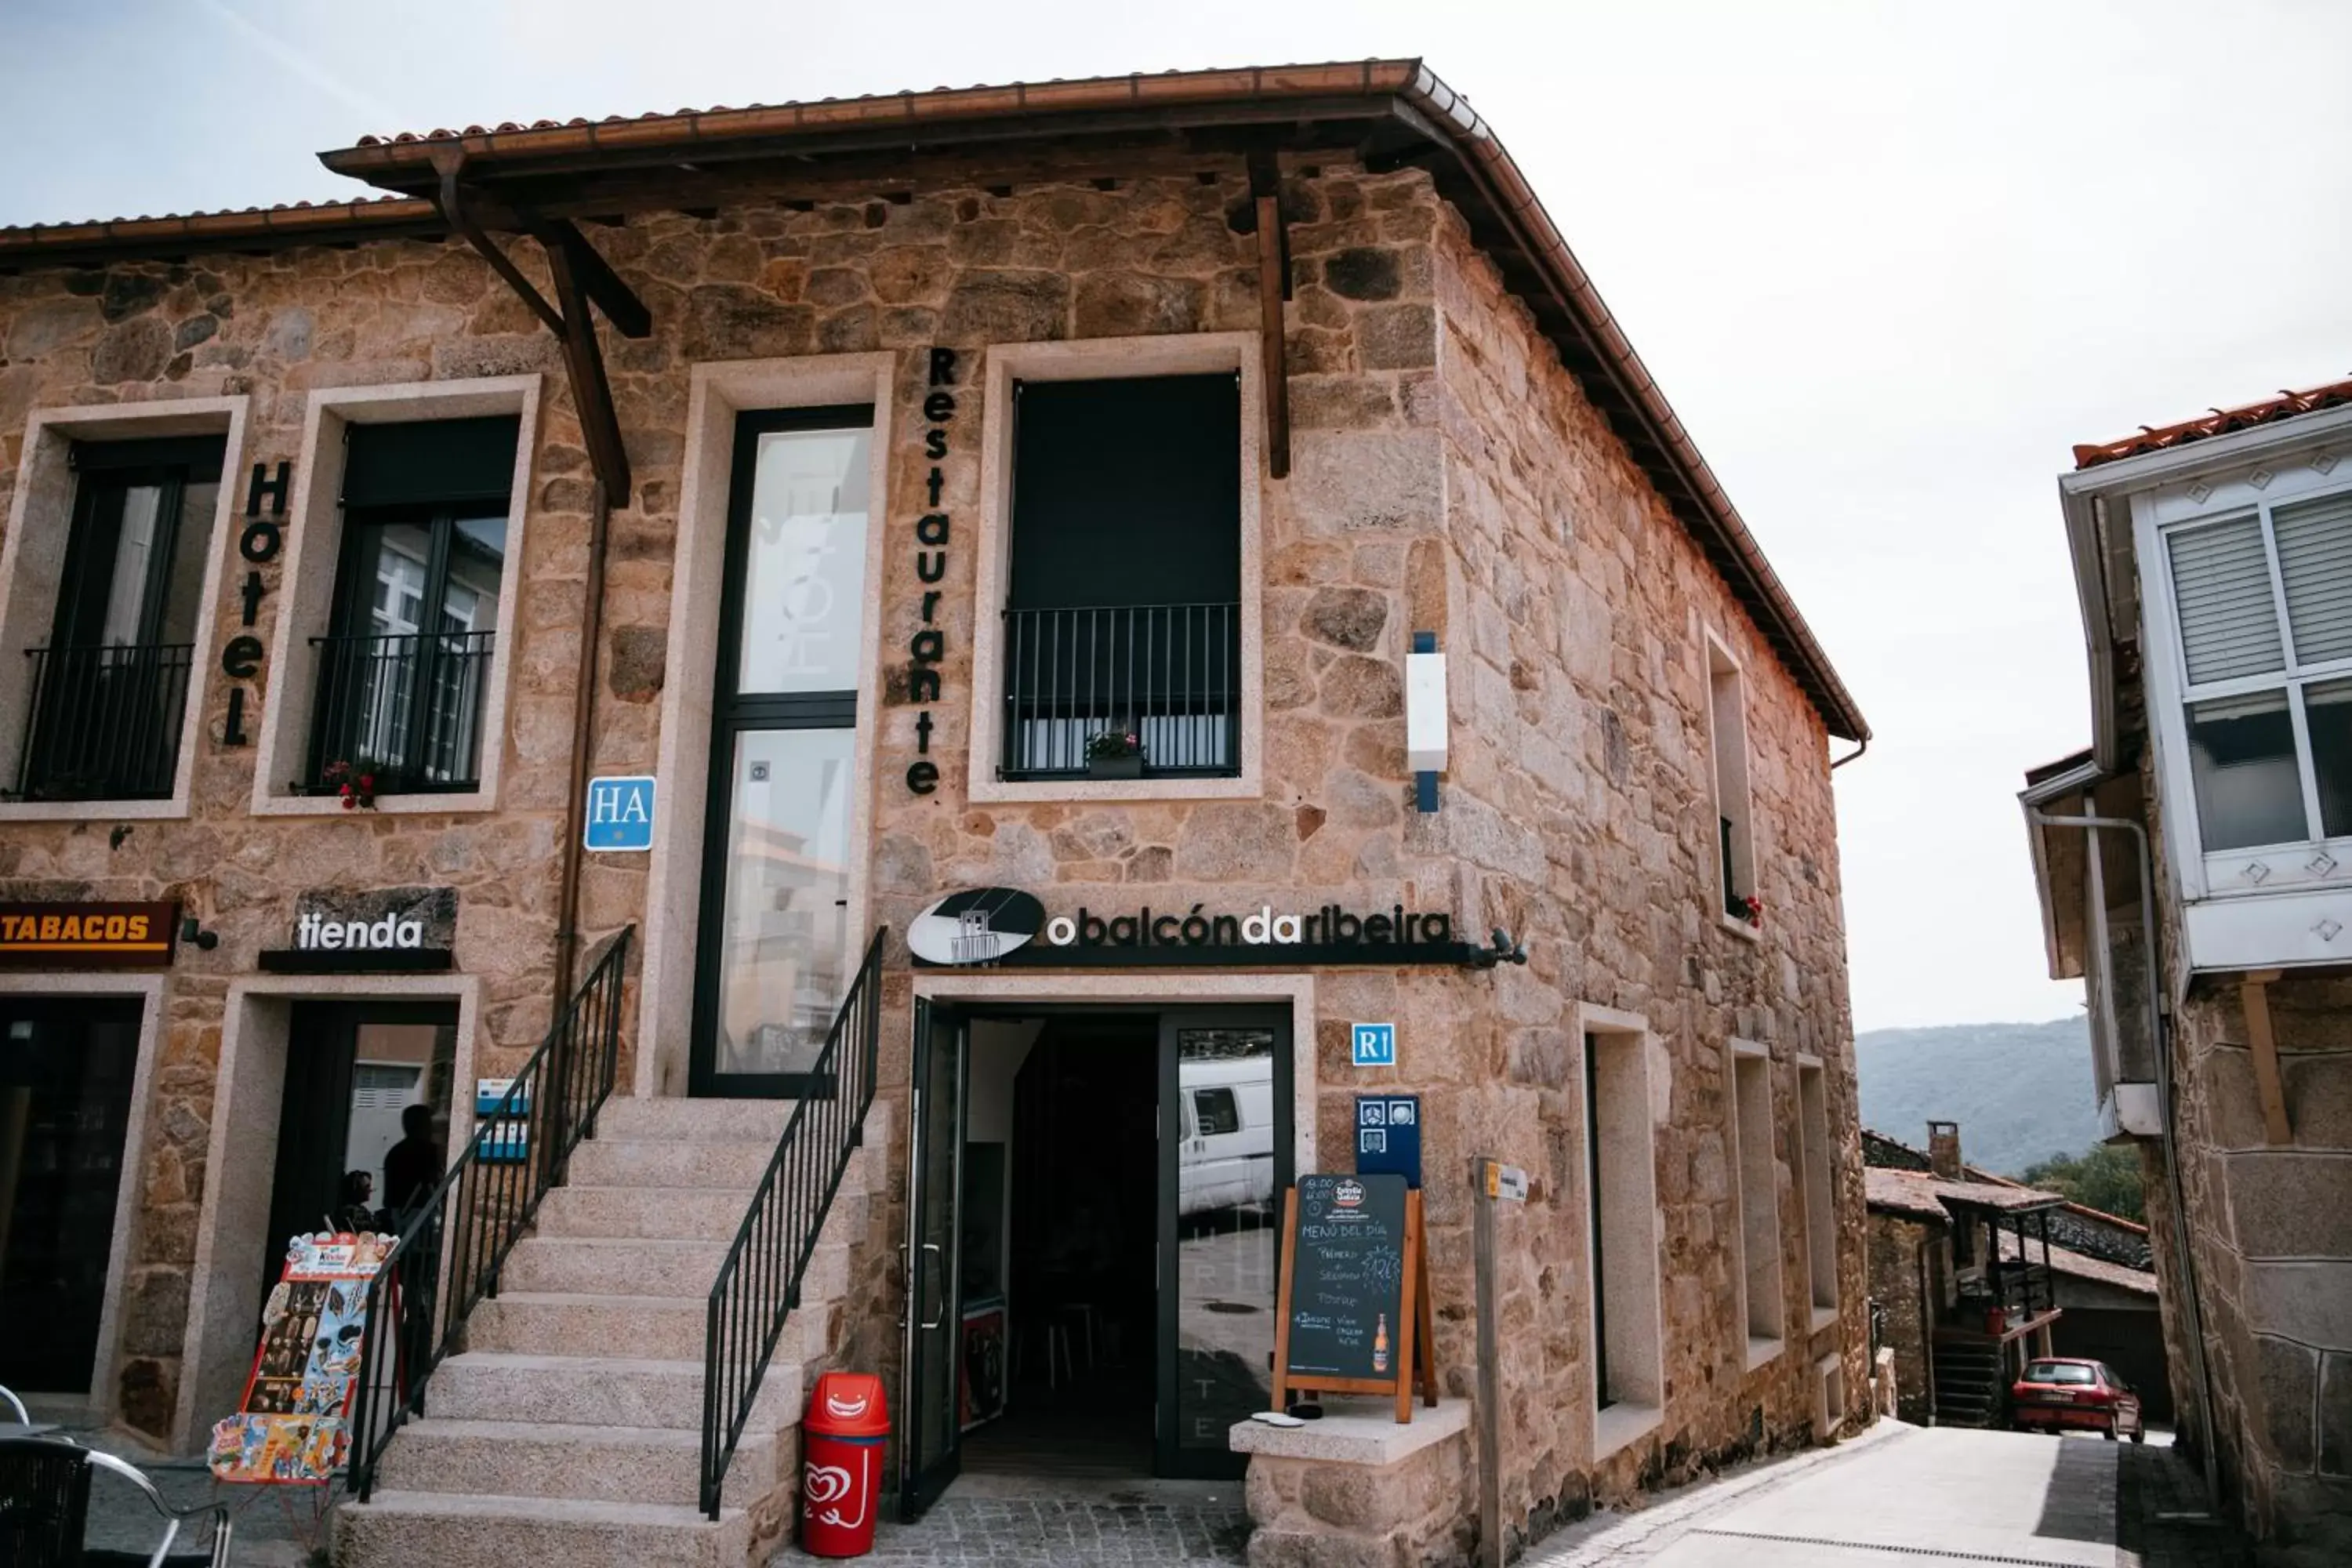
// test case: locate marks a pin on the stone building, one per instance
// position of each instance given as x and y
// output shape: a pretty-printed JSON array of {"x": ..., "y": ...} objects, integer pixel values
[
  {"x": 1939, "y": 1254},
  {"x": 2209, "y": 811},
  {"x": 411, "y": 639}
]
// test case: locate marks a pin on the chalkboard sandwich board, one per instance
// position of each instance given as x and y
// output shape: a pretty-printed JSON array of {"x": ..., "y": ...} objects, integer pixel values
[{"x": 1354, "y": 1300}]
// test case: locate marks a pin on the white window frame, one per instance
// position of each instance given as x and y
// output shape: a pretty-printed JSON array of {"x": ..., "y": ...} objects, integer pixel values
[
  {"x": 1104, "y": 359},
  {"x": 41, "y": 518},
  {"x": 1817, "y": 1190},
  {"x": 1635, "y": 1284},
  {"x": 1756, "y": 1181},
  {"x": 2250, "y": 871},
  {"x": 1728, "y": 786},
  {"x": 305, "y": 590}
]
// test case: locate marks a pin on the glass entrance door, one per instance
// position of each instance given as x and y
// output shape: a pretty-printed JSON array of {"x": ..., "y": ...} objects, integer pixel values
[
  {"x": 776, "y": 952},
  {"x": 929, "y": 1450},
  {"x": 66, "y": 1067},
  {"x": 1225, "y": 1156}
]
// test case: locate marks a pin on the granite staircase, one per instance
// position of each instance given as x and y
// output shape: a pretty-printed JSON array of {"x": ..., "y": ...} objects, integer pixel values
[
  {"x": 1971, "y": 1390},
  {"x": 570, "y": 1428}
]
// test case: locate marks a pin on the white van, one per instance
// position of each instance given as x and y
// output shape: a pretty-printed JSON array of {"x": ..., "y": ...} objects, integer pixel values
[{"x": 1226, "y": 1158}]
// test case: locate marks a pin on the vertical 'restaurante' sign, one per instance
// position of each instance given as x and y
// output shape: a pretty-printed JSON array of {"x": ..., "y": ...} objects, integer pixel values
[{"x": 928, "y": 647}]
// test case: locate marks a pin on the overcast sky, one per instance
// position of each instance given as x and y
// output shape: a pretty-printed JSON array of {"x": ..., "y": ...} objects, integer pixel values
[{"x": 1889, "y": 262}]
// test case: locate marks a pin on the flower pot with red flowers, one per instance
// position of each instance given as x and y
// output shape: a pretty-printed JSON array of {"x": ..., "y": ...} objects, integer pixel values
[
  {"x": 1115, "y": 755},
  {"x": 354, "y": 781},
  {"x": 1753, "y": 911}
]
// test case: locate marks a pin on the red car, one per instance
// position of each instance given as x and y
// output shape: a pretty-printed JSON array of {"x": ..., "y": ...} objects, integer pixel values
[{"x": 2055, "y": 1395}]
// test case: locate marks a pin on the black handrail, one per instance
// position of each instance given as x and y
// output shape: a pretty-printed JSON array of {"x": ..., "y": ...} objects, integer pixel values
[
  {"x": 105, "y": 722},
  {"x": 408, "y": 706},
  {"x": 1169, "y": 675},
  {"x": 454, "y": 1240},
  {"x": 760, "y": 1283}
]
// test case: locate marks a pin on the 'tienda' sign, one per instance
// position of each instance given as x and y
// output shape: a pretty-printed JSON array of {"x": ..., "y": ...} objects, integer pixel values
[{"x": 321, "y": 931}]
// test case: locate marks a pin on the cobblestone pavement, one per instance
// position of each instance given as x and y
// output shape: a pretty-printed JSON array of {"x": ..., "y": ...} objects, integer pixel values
[
  {"x": 2162, "y": 1506},
  {"x": 1003, "y": 1520}
]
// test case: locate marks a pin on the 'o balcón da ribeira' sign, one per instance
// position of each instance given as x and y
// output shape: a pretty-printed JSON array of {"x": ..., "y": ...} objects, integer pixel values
[{"x": 1006, "y": 927}]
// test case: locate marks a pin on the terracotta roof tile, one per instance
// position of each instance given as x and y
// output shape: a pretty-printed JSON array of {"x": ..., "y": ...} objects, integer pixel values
[
  {"x": 2219, "y": 422},
  {"x": 1918, "y": 1193},
  {"x": 2083, "y": 1267}
]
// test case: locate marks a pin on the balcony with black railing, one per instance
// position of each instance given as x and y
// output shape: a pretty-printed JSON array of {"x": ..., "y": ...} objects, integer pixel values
[
  {"x": 1169, "y": 675},
  {"x": 105, "y": 722},
  {"x": 406, "y": 708}
]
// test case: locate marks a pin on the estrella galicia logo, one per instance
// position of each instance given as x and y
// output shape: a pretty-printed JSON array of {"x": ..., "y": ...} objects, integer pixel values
[
  {"x": 1348, "y": 1195},
  {"x": 977, "y": 926}
]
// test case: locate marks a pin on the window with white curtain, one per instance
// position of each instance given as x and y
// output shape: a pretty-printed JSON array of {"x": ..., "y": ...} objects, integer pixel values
[{"x": 2264, "y": 602}]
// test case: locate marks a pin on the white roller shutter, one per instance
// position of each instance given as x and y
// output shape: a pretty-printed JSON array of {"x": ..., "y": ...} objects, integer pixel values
[
  {"x": 2222, "y": 587},
  {"x": 2315, "y": 546}
]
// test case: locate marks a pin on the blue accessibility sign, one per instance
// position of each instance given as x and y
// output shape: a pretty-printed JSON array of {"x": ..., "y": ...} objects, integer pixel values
[
  {"x": 1375, "y": 1045},
  {"x": 620, "y": 813}
]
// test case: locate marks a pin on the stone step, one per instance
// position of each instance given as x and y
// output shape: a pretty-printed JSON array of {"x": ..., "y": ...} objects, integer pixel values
[
  {"x": 494, "y": 1386},
  {"x": 667, "y": 1119},
  {"x": 400, "y": 1528},
  {"x": 643, "y": 1328},
  {"x": 675, "y": 1213},
  {"x": 605, "y": 1162},
  {"x": 617, "y": 1464},
  {"x": 638, "y": 1266}
]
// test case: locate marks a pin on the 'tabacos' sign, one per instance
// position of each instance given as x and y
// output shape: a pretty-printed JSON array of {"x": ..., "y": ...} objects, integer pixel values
[{"x": 620, "y": 813}]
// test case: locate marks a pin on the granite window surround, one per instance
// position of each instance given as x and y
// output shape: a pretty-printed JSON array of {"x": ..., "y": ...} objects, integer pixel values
[
  {"x": 1630, "y": 1276},
  {"x": 305, "y": 589},
  {"x": 1102, "y": 359},
  {"x": 41, "y": 518}
]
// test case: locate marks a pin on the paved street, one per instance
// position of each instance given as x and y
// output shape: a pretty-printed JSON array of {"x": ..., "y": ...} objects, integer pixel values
[
  {"x": 1906, "y": 1497},
  {"x": 1003, "y": 1519}
]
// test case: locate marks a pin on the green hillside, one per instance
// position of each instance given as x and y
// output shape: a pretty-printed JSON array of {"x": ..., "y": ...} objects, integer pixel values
[{"x": 2021, "y": 1092}]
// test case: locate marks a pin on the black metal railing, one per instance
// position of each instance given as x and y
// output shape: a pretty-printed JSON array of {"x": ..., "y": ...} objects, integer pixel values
[
  {"x": 454, "y": 1239},
  {"x": 760, "y": 1282},
  {"x": 1734, "y": 904},
  {"x": 1168, "y": 674},
  {"x": 408, "y": 706},
  {"x": 105, "y": 722}
]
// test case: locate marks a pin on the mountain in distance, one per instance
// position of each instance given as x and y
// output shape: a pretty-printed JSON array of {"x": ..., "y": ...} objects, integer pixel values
[{"x": 2021, "y": 1092}]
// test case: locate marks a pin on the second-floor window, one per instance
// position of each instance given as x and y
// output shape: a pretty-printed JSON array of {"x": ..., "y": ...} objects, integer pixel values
[
  {"x": 109, "y": 687},
  {"x": 405, "y": 666},
  {"x": 2264, "y": 608},
  {"x": 1122, "y": 637}
]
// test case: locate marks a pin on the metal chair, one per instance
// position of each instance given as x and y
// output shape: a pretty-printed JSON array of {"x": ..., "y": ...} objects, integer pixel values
[{"x": 44, "y": 1510}]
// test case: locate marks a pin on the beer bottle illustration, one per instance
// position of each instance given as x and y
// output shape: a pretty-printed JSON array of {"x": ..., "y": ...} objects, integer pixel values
[{"x": 1380, "y": 1344}]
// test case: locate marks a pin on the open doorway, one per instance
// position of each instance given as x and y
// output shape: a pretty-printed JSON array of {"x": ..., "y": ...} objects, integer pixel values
[
  {"x": 1094, "y": 1196},
  {"x": 1078, "y": 1252},
  {"x": 361, "y": 1080}
]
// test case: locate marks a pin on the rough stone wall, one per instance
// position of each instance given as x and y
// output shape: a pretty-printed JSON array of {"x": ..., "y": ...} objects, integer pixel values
[
  {"x": 1895, "y": 1285},
  {"x": 1448, "y": 476},
  {"x": 2272, "y": 1232},
  {"x": 1575, "y": 619},
  {"x": 274, "y": 328}
]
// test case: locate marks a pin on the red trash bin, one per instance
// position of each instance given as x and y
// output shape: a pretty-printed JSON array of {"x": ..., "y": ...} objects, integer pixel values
[{"x": 842, "y": 1437}]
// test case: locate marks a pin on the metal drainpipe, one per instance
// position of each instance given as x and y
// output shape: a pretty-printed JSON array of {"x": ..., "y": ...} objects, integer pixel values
[
  {"x": 583, "y": 715},
  {"x": 2182, "y": 1256}
]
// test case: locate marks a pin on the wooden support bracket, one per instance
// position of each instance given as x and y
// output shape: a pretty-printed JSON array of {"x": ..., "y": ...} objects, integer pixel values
[
  {"x": 1273, "y": 288},
  {"x": 2262, "y": 1045},
  {"x": 580, "y": 276}
]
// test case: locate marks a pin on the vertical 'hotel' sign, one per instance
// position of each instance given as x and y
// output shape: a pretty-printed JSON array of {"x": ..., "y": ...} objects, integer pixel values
[
  {"x": 928, "y": 647},
  {"x": 241, "y": 659}
]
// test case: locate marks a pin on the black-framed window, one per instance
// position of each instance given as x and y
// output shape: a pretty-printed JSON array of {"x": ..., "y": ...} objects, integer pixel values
[
  {"x": 1122, "y": 614},
  {"x": 776, "y": 952},
  {"x": 404, "y": 667},
  {"x": 109, "y": 687}
]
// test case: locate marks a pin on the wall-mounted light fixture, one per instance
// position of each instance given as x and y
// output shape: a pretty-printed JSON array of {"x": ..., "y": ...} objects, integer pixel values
[
  {"x": 1424, "y": 718},
  {"x": 191, "y": 932}
]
